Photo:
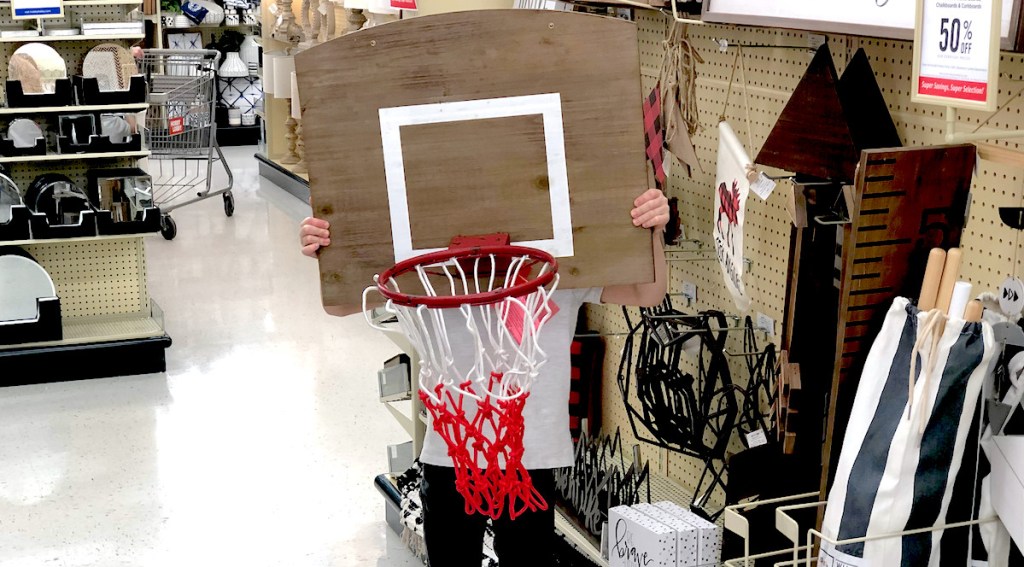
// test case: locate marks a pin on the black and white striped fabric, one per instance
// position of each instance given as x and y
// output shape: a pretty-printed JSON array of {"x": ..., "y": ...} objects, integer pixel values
[{"x": 905, "y": 441}]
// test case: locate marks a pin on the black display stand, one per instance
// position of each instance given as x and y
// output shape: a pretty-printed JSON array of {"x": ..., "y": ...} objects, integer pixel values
[
  {"x": 42, "y": 229},
  {"x": 89, "y": 92},
  {"x": 63, "y": 95},
  {"x": 18, "y": 227},
  {"x": 99, "y": 144},
  {"x": 8, "y": 149},
  {"x": 45, "y": 327},
  {"x": 147, "y": 221},
  {"x": 41, "y": 365}
]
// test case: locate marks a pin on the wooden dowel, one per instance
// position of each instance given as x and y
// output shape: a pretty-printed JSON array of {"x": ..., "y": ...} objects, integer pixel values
[
  {"x": 950, "y": 273},
  {"x": 932, "y": 276},
  {"x": 973, "y": 312}
]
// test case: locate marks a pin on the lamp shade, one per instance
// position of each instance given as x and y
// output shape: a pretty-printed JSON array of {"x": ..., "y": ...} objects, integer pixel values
[
  {"x": 296, "y": 105},
  {"x": 268, "y": 70},
  {"x": 357, "y": 4},
  {"x": 383, "y": 7},
  {"x": 284, "y": 66}
]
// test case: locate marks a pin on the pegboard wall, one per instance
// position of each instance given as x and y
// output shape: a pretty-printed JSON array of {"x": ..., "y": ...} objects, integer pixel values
[
  {"x": 767, "y": 77},
  {"x": 96, "y": 277}
]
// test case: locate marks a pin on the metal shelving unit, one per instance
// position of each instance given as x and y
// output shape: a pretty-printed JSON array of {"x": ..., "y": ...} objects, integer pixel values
[
  {"x": 67, "y": 157},
  {"x": 56, "y": 38},
  {"x": 109, "y": 325}
]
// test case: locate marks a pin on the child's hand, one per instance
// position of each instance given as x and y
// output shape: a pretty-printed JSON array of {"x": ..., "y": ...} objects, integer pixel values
[
  {"x": 650, "y": 210},
  {"x": 313, "y": 233}
]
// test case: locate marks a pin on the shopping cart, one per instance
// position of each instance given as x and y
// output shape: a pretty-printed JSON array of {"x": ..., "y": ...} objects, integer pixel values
[{"x": 181, "y": 130}]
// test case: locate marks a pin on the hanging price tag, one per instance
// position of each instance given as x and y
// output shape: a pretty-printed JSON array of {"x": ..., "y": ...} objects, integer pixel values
[{"x": 956, "y": 53}]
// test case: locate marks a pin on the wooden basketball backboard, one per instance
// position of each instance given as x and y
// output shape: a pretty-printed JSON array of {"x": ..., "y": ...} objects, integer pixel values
[{"x": 518, "y": 121}]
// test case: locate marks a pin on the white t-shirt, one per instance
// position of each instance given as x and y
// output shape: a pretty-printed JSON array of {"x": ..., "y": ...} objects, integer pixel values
[{"x": 547, "y": 442}]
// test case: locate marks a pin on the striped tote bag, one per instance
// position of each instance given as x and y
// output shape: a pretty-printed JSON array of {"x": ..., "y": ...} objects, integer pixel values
[{"x": 905, "y": 441}]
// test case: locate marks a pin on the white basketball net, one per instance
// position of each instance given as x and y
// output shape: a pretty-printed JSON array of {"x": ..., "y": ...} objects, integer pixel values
[{"x": 476, "y": 401}]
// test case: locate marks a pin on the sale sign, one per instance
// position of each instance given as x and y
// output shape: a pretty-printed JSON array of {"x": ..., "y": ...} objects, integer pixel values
[
  {"x": 404, "y": 4},
  {"x": 956, "y": 53},
  {"x": 176, "y": 126}
]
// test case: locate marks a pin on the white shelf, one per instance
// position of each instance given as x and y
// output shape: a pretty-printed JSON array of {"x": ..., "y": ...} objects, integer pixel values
[
  {"x": 100, "y": 2},
  {"x": 72, "y": 157},
  {"x": 73, "y": 240},
  {"x": 49, "y": 38},
  {"x": 83, "y": 330},
  {"x": 79, "y": 108}
]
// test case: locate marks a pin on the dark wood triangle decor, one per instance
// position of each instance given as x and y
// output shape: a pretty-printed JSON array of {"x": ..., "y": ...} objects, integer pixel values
[
  {"x": 866, "y": 112},
  {"x": 811, "y": 136}
]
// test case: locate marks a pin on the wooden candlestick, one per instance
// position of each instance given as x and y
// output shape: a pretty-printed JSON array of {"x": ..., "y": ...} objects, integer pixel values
[
  {"x": 292, "y": 137},
  {"x": 300, "y": 147}
]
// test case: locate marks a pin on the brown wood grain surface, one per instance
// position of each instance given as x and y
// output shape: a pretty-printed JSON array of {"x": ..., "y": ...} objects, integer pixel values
[
  {"x": 907, "y": 201},
  {"x": 468, "y": 177},
  {"x": 811, "y": 136}
]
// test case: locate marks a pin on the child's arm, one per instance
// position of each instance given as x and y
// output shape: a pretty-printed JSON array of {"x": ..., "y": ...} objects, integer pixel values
[
  {"x": 650, "y": 210},
  {"x": 314, "y": 234}
]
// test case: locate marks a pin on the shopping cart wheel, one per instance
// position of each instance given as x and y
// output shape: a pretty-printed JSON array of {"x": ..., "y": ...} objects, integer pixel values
[
  {"x": 229, "y": 204},
  {"x": 168, "y": 228}
]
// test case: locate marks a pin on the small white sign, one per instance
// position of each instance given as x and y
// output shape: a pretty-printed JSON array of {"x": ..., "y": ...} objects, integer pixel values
[
  {"x": 763, "y": 186},
  {"x": 956, "y": 53},
  {"x": 1011, "y": 296},
  {"x": 34, "y": 9},
  {"x": 756, "y": 438}
]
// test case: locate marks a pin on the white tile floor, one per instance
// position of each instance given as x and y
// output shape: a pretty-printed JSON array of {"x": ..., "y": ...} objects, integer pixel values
[{"x": 257, "y": 447}]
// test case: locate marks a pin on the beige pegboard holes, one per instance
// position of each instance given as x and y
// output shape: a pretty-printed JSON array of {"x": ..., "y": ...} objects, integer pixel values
[
  {"x": 96, "y": 277},
  {"x": 772, "y": 74}
]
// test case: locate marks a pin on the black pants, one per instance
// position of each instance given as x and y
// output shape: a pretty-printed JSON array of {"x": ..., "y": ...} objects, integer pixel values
[{"x": 455, "y": 539}]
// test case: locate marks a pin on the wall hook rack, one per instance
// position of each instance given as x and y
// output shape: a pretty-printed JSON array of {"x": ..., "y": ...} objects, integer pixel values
[
  {"x": 748, "y": 264},
  {"x": 723, "y": 45}
]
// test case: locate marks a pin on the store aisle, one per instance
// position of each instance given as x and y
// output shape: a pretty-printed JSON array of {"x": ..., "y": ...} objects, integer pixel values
[{"x": 257, "y": 448}]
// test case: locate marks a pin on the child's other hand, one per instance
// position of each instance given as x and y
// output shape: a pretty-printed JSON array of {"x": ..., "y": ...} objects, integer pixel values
[
  {"x": 650, "y": 210},
  {"x": 313, "y": 234}
]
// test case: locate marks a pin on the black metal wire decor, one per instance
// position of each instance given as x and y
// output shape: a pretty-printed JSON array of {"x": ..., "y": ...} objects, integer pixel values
[{"x": 692, "y": 415}]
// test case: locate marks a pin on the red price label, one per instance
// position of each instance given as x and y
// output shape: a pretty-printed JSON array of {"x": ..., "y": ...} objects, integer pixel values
[
  {"x": 176, "y": 125},
  {"x": 404, "y": 4}
]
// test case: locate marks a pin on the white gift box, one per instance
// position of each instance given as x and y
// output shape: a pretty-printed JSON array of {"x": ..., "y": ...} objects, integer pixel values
[
  {"x": 687, "y": 534},
  {"x": 710, "y": 535},
  {"x": 637, "y": 540}
]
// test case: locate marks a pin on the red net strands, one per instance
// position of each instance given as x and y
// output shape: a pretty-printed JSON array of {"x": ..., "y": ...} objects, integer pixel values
[
  {"x": 493, "y": 304},
  {"x": 493, "y": 437}
]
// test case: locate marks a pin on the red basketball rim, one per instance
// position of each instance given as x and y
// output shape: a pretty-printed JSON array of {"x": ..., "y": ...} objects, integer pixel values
[{"x": 482, "y": 298}]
